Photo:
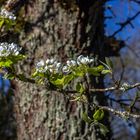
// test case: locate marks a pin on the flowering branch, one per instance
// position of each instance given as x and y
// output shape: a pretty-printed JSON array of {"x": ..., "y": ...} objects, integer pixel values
[
  {"x": 124, "y": 87},
  {"x": 60, "y": 75},
  {"x": 123, "y": 114}
]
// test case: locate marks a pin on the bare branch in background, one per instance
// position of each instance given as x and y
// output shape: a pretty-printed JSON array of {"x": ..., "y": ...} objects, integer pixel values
[
  {"x": 132, "y": 50},
  {"x": 136, "y": 1},
  {"x": 110, "y": 9},
  {"x": 124, "y": 24},
  {"x": 122, "y": 102}
]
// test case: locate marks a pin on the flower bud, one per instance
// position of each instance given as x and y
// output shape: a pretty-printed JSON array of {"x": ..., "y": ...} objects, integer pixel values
[{"x": 65, "y": 69}]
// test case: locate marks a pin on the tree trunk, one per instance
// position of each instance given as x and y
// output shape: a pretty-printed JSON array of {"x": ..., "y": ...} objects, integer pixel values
[{"x": 61, "y": 29}]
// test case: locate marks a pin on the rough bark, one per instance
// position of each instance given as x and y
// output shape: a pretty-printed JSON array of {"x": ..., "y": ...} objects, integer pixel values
[{"x": 61, "y": 30}]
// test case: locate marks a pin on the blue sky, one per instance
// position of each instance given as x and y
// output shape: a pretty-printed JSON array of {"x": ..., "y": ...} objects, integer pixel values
[
  {"x": 4, "y": 84},
  {"x": 122, "y": 9}
]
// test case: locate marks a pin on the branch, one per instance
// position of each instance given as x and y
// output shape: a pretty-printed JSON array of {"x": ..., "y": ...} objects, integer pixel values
[
  {"x": 136, "y": 1},
  {"x": 123, "y": 88},
  {"x": 123, "y": 114},
  {"x": 132, "y": 50},
  {"x": 122, "y": 102},
  {"x": 124, "y": 24},
  {"x": 120, "y": 113}
]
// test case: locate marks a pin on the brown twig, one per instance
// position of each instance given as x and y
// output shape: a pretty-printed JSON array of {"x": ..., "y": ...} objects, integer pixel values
[{"x": 113, "y": 88}]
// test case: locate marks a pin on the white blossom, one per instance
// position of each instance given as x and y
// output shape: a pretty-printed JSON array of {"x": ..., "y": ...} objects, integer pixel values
[
  {"x": 51, "y": 70},
  {"x": 7, "y": 49},
  {"x": 84, "y": 60},
  {"x": 40, "y": 66},
  {"x": 51, "y": 61},
  {"x": 65, "y": 69},
  {"x": 91, "y": 60},
  {"x": 40, "y": 63},
  {"x": 125, "y": 87},
  {"x": 46, "y": 68},
  {"x": 71, "y": 63},
  {"x": 53, "y": 66},
  {"x": 47, "y": 61},
  {"x": 58, "y": 65},
  {"x": 49, "y": 65},
  {"x": 6, "y": 14}
]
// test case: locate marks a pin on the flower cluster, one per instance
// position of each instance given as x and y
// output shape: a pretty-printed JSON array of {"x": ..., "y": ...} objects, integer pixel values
[
  {"x": 49, "y": 65},
  {"x": 56, "y": 67},
  {"x": 84, "y": 60},
  {"x": 6, "y": 14},
  {"x": 7, "y": 49},
  {"x": 125, "y": 87}
]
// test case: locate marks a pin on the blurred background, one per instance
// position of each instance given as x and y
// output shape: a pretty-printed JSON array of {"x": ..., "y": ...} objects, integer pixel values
[{"x": 123, "y": 23}]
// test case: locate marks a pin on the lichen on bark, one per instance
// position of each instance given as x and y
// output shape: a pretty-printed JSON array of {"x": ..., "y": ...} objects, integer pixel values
[{"x": 53, "y": 31}]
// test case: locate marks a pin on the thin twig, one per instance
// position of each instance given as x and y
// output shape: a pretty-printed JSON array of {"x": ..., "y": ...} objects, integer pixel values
[
  {"x": 124, "y": 24},
  {"x": 123, "y": 114},
  {"x": 122, "y": 73},
  {"x": 113, "y": 88},
  {"x": 120, "y": 113},
  {"x": 123, "y": 102}
]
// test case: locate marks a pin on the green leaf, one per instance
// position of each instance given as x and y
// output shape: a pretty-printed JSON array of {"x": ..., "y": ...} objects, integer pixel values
[
  {"x": 9, "y": 76},
  {"x": 103, "y": 129},
  {"x": 109, "y": 62},
  {"x": 86, "y": 118},
  {"x": 98, "y": 115},
  {"x": 80, "y": 88},
  {"x": 68, "y": 79},
  {"x": 95, "y": 70},
  {"x": 106, "y": 71},
  {"x": 10, "y": 60},
  {"x": 100, "y": 68},
  {"x": 1, "y": 23},
  {"x": 58, "y": 82},
  {"x": 9, "y": 23},
  {"x": 22, "y": 77},
  {"x": 34, "y": 74},
  {"x": 40, "y": 81},
  {"x": 6, "y": 63},
  {"x": 6, "y": 22},
  {"x": 79, "y": 71},
  {"x": 17, "y": 58}
]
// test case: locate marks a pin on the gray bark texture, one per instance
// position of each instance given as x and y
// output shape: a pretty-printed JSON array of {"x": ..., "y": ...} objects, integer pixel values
[{"x": 59, "y": 29}]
